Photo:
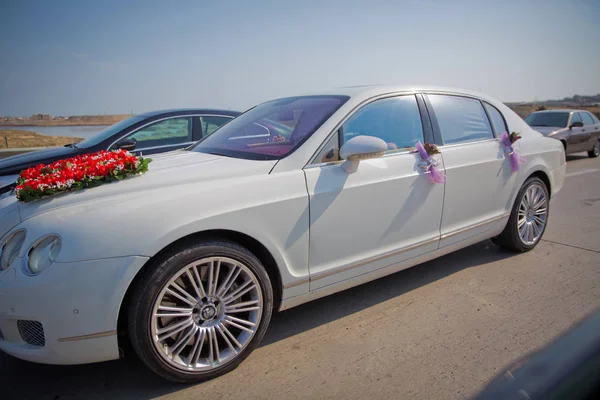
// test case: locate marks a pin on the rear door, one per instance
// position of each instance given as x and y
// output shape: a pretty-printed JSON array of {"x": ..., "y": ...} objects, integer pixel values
[
  {"x": 479, "y": 178},
  {"x": 591, "y": 130},
  {"x": 577, "y": 137}
]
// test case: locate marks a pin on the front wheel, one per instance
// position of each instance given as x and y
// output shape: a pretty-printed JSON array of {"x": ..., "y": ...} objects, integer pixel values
[
  {"x": 595, "y": 152},
  {"x": 528, "y": 218},
  {"x": 200, "y": 311}
]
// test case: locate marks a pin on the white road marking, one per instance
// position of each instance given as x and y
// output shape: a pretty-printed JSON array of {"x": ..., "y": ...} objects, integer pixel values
[{"x": 584, "y": 171}]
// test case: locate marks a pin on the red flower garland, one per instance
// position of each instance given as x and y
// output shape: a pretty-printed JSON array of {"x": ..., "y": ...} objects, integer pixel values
[{"x": 78, "y": 173}]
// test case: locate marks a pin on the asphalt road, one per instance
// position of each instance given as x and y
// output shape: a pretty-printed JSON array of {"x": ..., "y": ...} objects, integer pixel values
[{"x": 439, "y": 330}]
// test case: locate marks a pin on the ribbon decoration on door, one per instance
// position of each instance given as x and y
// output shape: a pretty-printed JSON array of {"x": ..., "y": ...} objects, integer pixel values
[
  {"x": 507, "y": 142},
  {"x": 428, "y": 163}
]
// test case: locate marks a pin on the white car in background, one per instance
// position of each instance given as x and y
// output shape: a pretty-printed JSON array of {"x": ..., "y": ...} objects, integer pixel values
[{"x": 189, "y": 260}]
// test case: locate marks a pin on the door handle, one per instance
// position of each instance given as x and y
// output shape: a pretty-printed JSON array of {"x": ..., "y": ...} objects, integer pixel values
[{"x": 424, "y": 165}]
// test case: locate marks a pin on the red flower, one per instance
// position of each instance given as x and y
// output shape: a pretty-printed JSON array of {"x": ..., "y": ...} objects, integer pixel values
[{"x": 34, "y": 182}]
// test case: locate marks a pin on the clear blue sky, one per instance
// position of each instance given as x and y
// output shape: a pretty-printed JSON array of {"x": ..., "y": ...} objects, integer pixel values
[{"x": 91, "y": 57}]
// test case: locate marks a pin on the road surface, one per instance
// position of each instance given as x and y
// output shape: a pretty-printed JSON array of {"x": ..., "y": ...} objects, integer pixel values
[{"x": 439, "y": 330}]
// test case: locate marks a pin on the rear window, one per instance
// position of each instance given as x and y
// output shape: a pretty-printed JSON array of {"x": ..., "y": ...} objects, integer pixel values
[
  {"x": 497, "y": 119},
  {"x": 558, "y": 119},
  {"x": 461, "y": 119}
]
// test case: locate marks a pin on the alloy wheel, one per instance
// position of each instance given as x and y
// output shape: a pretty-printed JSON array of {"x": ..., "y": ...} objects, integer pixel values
[
  {"x": 533, "y": 214},
  {"x": 206, "y": 314}
]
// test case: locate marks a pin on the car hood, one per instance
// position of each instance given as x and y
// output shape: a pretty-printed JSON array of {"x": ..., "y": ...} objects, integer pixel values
[
  {"x": 547, "y": 130},
  {"x": 171, "y": 172},
  {"x": 15, "y": 164}
]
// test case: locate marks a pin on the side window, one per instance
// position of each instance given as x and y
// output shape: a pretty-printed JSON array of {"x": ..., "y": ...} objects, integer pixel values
[
  {"x": 211, "y": 123},
  {"x": 596, "y": 121},
  {"x": 460, "y": 119},
  {"x": 163, "y": 133},
  {"x": 497, "y": 120},
  {"x": 396, "y": 120},
  {"x": 331, "y": 151},
  {"x": 587, "y": 119},
  {"x": 575, "y": 117}
]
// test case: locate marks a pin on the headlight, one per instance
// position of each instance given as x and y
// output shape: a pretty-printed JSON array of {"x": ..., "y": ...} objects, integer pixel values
[
  {"x": 42, "y": 254},
  {"x": 10, "y": 249}
]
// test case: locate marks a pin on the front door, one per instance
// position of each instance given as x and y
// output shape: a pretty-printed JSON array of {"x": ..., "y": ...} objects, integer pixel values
[
  {"x": 479, "y": 179},
  {"x": 161, "y": 136},
  {"x": 384, "y": 212}
]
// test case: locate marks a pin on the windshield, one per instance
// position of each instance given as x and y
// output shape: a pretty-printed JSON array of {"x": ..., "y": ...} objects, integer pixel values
[
  {"x": 558, "y": 119},
  {"x": 271, "y": 130},
  {"x": 108, "y": 132}
]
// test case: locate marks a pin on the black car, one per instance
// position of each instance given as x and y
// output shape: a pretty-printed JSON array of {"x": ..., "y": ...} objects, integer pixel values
[{"x": 147, "y": 133}]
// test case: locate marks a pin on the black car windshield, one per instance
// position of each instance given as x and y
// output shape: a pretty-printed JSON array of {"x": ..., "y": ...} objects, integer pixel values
[
  {"x": 271, "y": 130},
  {"x": 108, "y": 132},
  {"x": 558, "y": 119}
]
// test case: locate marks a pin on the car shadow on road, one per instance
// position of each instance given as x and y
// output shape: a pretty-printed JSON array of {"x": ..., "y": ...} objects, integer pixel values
[
  {"x": 577, "y": 156},
  {"x": 322, "y": 311},
  {"x": 130, "y": 379}
]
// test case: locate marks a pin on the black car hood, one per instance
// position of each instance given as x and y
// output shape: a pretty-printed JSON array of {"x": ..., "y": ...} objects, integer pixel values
[
  {"x": 546, "y": 130},
  {"x": 15, "y": 164}
]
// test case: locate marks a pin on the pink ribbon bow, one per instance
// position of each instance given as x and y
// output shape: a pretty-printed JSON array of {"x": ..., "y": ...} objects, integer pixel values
[
  {"x": 515, "y": 158},
  {"x": 430, "y": 165}
]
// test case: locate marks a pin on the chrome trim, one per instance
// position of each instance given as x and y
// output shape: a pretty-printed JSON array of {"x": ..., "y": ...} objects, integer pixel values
[
  {"x": 445, "y": 146},
  {"x": 296, "y": 283},
  {"x": 369, "y": 260},
  {"x": 166, "y": 118},
  {"x": 162, "y": 147},
  {"x": 85, "y": 337},
  {"x": 474, "y": 226},
  {"x": 388, "y": 153}
]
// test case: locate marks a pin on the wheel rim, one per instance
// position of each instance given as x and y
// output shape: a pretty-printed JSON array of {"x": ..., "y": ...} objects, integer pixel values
[
  {"x": 206, "y": 314},
  {"x": 597, "y": 147},
  {"x": 532, "y": 216}
]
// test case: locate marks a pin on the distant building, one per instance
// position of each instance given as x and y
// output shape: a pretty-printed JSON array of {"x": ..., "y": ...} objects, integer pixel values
[{"x": 41, "y": 117}]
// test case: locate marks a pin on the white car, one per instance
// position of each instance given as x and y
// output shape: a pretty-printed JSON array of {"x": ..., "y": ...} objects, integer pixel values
[{"x": 189, "y": 260}]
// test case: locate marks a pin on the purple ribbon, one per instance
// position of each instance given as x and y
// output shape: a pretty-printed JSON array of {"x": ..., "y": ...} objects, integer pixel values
[
  {"x": 515, "y": 158},
  {"x": 435, "y": 176}
]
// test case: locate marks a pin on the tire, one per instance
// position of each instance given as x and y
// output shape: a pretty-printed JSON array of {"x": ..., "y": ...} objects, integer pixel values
[
  {"x": 220, "y": 330},
  {"x": 516, "y": 238},
  {"x": 595, "y": 152}
]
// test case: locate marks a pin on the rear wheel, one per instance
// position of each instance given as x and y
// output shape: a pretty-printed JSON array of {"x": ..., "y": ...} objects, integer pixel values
[
  {"x": 595, "y": 152},
  {"x": 200, "y": 311},
  {"x": 528, "y": 218}
]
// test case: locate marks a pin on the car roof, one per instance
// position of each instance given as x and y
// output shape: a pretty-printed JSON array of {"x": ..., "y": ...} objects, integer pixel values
[
  {"x": 362, "y": 92},
  {"x": 186, "y": 111}
]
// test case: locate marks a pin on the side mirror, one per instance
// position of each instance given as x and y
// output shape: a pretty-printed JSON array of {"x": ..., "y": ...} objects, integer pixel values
[
  {"x": 577, "y": 124},
  {"x": 363, "y": 148},
  {"x": 126, "y": 144}
]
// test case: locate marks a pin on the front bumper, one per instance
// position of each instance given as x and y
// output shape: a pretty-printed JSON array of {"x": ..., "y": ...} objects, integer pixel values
[{"x": 77, "y": 305}]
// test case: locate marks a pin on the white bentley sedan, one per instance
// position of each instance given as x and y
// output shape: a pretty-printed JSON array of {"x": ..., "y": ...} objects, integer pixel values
[{"x": 296, "y": 199}]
